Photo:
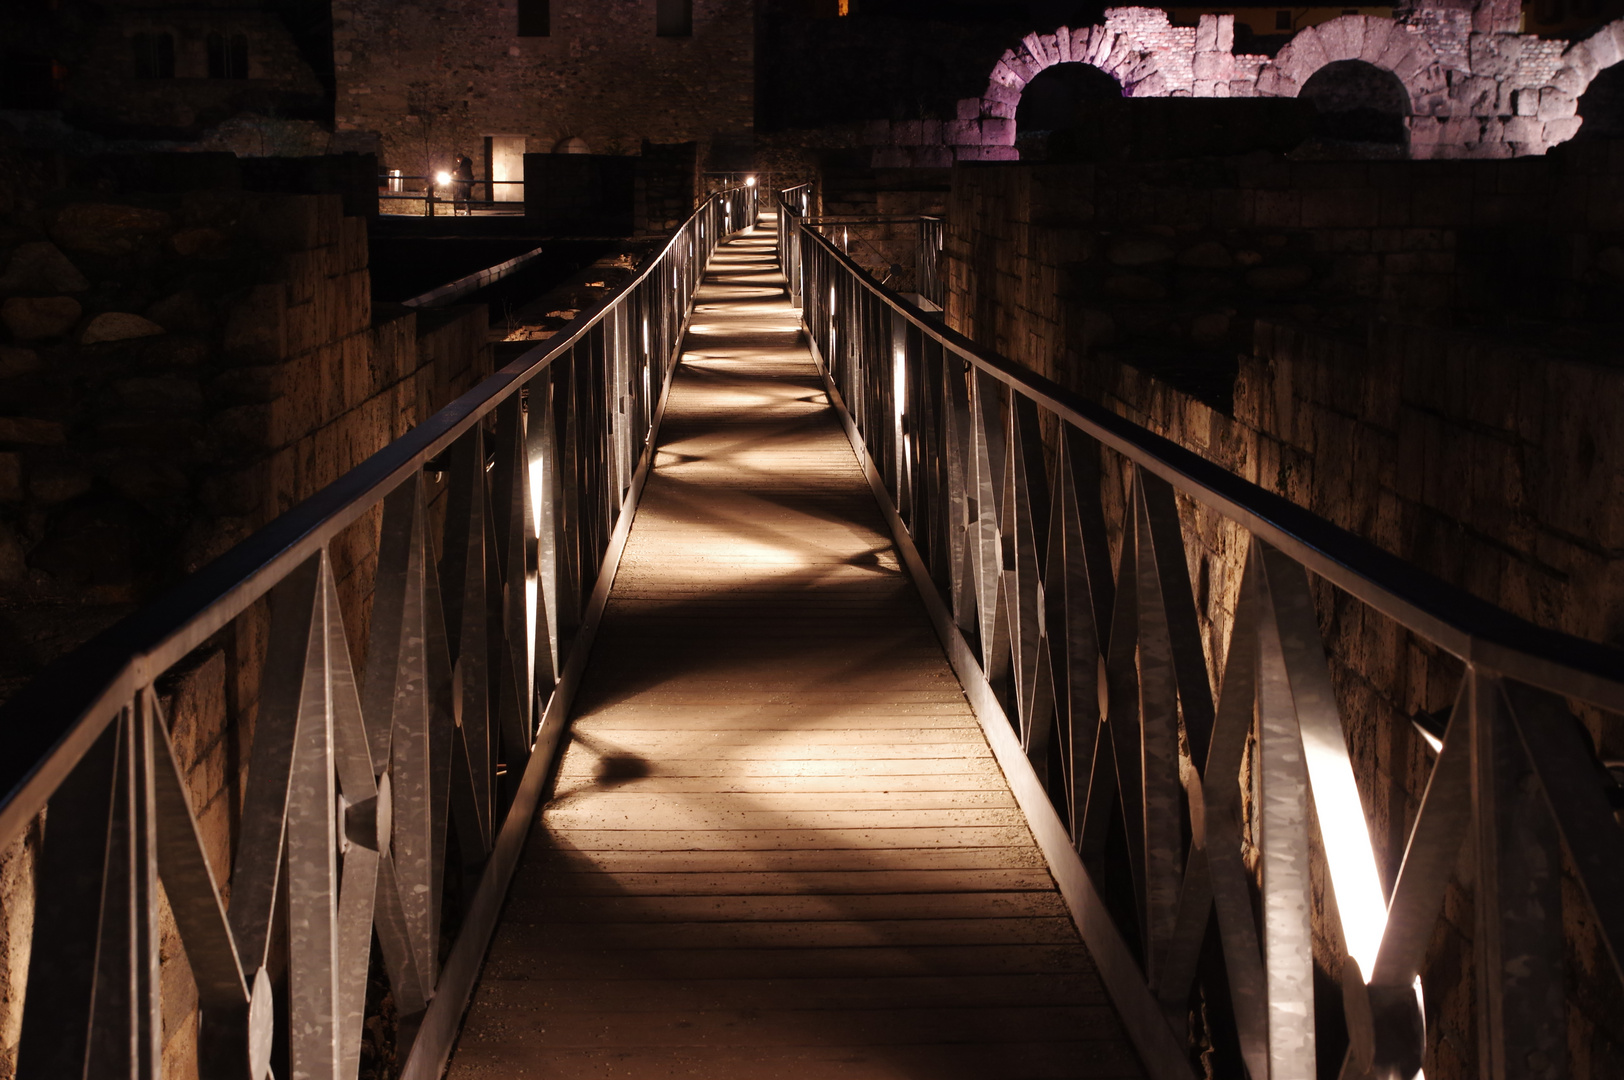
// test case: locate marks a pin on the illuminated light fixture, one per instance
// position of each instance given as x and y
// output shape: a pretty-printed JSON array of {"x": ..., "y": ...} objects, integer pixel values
[
  {"x": 442, "y": 178},
  {"x": 749, "y": 181}
]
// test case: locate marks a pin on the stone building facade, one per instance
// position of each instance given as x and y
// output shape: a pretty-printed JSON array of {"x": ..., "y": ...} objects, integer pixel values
[
  {"x": 1471, "y": 84},
  {"x": 434, "y": 80},
  {"x": 252, "y": 76}
]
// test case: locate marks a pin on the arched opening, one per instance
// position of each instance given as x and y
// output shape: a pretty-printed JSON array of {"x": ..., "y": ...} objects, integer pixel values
[
  {"x": 1050, "y": 101},
  {"x": 1058, "y": 100},
  {"x": 1601, "y": 106},
  {"x": 1361, "y": 108},
  {"x": 572, "y": 145}
]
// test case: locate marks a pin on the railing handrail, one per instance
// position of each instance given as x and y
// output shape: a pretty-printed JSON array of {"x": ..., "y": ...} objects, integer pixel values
[
  {"x": 54, "y": 718},
  {"x": 1469, "y": 627},
  {"x": 1167, "y": 783}
]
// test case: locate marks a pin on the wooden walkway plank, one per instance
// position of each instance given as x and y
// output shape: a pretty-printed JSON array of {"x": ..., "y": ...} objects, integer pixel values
[{"x": 778, "y": 844}]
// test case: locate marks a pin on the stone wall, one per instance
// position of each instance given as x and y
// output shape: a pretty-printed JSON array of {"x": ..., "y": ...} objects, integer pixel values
[
  {"x": 433, "y": 81},
  {"x": 1491, "y": 462},
  {"x": 176, "y": 371},
  {"x": 1477, "y": 88},
  {"x": 99, "y": 87},
  {"x": 1166, "y": 265}
]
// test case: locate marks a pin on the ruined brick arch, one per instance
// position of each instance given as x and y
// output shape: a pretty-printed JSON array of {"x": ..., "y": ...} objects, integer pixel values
[
  {"x": 1120, "y": 48},
  {"x": 1379, "y": 42}
]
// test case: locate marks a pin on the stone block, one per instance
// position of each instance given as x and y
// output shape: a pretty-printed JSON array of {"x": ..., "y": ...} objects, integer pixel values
[
  {"x": 40, "y": 267},
  {"x": 963, "y": 133},
  {"x": 1278, "y": 209},
  {"x": 997, "y": 132},
  {"x": 1121, "y": 55},
  {"x": 38, "y": 318},
  {"x": 329, "y": 215},
  {"x": 997, "y": 91},
  {"x": 1522, "y": 129},
  {"x": 244, "y": 429},
  {"x": 11, "y": 477},
  {"x": 1303, "y": 56},
  {"x": 286, "y": 222},
  {"x": 1206, "y": 34},
  {"x": 1561, "y": 129},
  {"x": 1027, "y": 65},
  {"x": 1153, "y": 85},
  {"x": 1342, "y": 38},
  {"x": 118, "y": 326},
  {"x": 930, "y": 132},
  {"x": 200, "y": 243},
  {"x": 1062, "y": 44},
  {"x": 256, "y": 327},
  {"x": 14, "y": 362},
  {"x": 1476, "y": 96},
  {"x": 1374, "y": 42},
  {"x": 932, "y": 157},
  {"x": 1092, "y": 45},
  {"x": 1213, "y": 66},
  {"x": 1356, "y": 209},
  {"x": 1604, "y": 48},
  {"x": 1570, "y": 80},
  {"x": 1274, "y": 82},
  {"x": 987, "y": 153},
  {"x": 1002, "y": 109},
  {"x": 968, "y": 109},
  {"x": 877, "y": 133},
  {"x": 353, "y": 252},
  {"x": 303, "y": 328},
  {"x": 108, "y": 228},
  {"x": 1556, "y": 104}
]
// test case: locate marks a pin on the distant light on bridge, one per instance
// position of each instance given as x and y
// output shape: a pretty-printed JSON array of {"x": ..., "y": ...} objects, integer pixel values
[{"x": 442, "y": 178}]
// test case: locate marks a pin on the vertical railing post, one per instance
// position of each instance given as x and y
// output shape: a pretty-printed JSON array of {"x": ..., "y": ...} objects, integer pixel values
[{"x": 1518, "y": 944}]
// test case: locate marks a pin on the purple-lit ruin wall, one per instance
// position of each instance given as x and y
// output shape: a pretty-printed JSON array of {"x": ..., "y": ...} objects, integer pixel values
[{"x": 1477, "y": 88}]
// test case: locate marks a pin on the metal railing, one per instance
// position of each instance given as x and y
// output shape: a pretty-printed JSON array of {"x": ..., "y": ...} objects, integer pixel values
[
  {"x": 376, "y": 800},
  {"x": 407, "y": 194},
  {"x": 1148, "y": 788},
  {"x": 928, "y": 238}
]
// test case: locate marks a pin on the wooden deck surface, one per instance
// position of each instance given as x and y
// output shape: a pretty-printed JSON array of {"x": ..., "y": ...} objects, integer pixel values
[{"x": 779, "y": 846}]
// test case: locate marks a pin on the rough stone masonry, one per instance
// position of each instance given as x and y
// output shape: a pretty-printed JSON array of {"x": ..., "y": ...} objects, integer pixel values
[{"x": 1476, "y": 87}]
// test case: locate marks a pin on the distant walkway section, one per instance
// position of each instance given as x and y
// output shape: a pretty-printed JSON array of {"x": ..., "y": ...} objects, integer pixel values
[{"x": 779, "y": 847}]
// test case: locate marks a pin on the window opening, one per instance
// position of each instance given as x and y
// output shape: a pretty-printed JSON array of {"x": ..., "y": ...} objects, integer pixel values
[
  {"x": 154, "y": 55},
  {"x": 674, "y": 18},
  {"x": 535, "y": 18},
  {"x": 228, "y": 56}
]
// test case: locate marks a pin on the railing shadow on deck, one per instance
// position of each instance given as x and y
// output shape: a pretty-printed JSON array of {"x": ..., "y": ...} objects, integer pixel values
[
  {"x": 378, "y": 802},
  {"x": 1147, "y": 786}
]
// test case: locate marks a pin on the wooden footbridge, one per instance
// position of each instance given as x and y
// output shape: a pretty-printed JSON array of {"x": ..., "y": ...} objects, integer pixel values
[
  {"x": 755, "y": 684},
  {"x": 778, "y": 843}
]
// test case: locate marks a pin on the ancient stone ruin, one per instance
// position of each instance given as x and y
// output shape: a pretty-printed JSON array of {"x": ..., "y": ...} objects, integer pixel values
[{"x": 1465, "y": 82}]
